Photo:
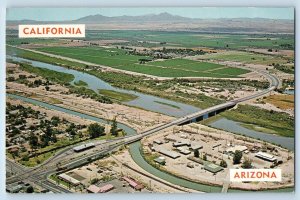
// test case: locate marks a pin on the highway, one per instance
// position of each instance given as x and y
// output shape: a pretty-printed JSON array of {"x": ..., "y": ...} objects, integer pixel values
[{"x": 42, "y": 171}]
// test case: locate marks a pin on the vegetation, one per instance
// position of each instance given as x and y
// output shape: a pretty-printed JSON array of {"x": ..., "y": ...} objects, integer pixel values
[
  {"x": 120, "y": 59},
  {"x": 290, "y": 69},
  {"x": 247, "y": 164},
  {"x": 245, "y": 57},
  {"x": 196, "y": 153},
  {"x": 40, "y": 57},
  {"x": 263, "y": 118},
  {"x": 119, "y": 96},
  {"x": 60, "y": 77},
  {"x": 85, "y": 92},
  {"x": 95, "y": 130},
  {"x": 223, "y": 164},
  {"x": 80, "y": 83},
  {"x": 192, "y": 39},
  {"x": 114, "y": 128},
  {"x": 237, "y": 157}
]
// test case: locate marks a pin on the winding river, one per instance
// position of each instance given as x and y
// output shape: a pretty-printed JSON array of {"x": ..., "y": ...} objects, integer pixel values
[
  {"x": 143, "y": 101},
  {"x": 147, "y": 102}
]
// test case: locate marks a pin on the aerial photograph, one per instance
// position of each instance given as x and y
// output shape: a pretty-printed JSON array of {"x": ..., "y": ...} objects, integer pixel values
[{"x": 150, "y": 100}]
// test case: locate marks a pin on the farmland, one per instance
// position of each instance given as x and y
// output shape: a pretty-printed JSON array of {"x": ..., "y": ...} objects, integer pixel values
[
  {"x": 119, "y": 59},
  {"x": 191, "y": 39},
  {"x": 244, "y": 57}
]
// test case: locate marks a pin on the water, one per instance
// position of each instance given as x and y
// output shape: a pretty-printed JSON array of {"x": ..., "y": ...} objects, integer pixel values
[
  {"x": 291, "y": 92},
  {"x": 235, "y": 127},
  {"x": 144, "y": 101}
]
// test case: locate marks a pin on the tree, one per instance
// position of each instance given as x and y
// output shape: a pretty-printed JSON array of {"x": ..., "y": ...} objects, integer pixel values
[
  {"x": 237, "y": 157},
  {"x": 247, "y": 164},
  {"x": 196, "y": 153},
  {"x": 114, "y": 128},
  {"x": 95, "y": 130},
  {"x": 55, "y": 120},
  {"x": 33, "y": 141},
  {"x": 29, "y": 189},
  {"x": 223, "y": 163},
  {"x": 204, "y": 157}
]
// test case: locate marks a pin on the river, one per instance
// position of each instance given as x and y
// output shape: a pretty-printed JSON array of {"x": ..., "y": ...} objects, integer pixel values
[{"x": 145, "y": 101}]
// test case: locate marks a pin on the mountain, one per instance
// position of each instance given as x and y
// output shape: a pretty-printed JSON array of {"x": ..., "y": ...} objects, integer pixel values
[
  {"x": 167, "y": 22},
  {"x": 142, "y": 18}
]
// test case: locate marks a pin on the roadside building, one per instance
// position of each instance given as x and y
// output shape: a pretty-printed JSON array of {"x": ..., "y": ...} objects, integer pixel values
[
  {"x": 14, "y": 189},
  {"x": 103, "y": 189},
  {"x": 265, "y": 156},
  {"x": 83, "y": 147},
  {"x": 68, "y": 179},
  {"x": 134, "y": 184}
]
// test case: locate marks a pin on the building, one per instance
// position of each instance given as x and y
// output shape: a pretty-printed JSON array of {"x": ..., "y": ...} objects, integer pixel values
[
  {"x": 236, "y": 148},
  {"x": 83, "y": 147},
  {"x": 195, "y": 146},
  {"x": 265, "y": 156},
  {"x": 134, "y": 184},
  {"x": 183, "y": 151},
  {"x": 160, "y": 160},
  {"x": 159, "y": 142},
  {"x": 170, "y": 154},
  {"x": 68, "y": 179},
  {"x": 103, "y": 189},
  {"x": 182, "y": 143},
  {"x": 213, "y": 168}
]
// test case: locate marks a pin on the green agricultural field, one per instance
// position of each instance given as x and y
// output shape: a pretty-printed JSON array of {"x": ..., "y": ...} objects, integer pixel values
[
  {"x": 119, "y": 59},
  {"x": 244, "y": 57},
  {"x": 192, "y": 39}
]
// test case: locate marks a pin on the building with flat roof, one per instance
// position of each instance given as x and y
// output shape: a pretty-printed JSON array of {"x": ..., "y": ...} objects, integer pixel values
[
  {"x": 236, "y": 148},
  {"x": 158, "y": 142},
  {"x": 265, "y": 156},
  {"x": 183, "y": 150},
  {"x": 103, "y": 189},
  {"x": 195, "y": 146},
  {"x": 83, "y": 147},
  {"x": 213, "y": 168},
  {"x": 160, "y": 160},
  {"x": 182, "y": 143},
  {"x": 168, "y": 153},
  {"x": 134, "y": 184},
  {"x": 69, "y": 179}
]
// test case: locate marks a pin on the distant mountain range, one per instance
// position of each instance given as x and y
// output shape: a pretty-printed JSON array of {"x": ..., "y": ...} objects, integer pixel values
[
  {"x": 144, "y": 18},
  {"x": 166, "y": 21}
]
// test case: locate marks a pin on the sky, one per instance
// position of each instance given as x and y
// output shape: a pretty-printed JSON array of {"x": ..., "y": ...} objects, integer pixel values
[{"x": 61, "y": 14}]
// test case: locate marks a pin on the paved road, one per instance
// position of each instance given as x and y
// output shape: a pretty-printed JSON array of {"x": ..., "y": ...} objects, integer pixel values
[{"x": 42, "y": 171}]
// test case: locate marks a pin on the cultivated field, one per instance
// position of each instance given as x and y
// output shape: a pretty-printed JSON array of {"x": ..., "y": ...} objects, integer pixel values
[
  {"x": 118, "y": 58},
  {"x": 244, "y": 57}
]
